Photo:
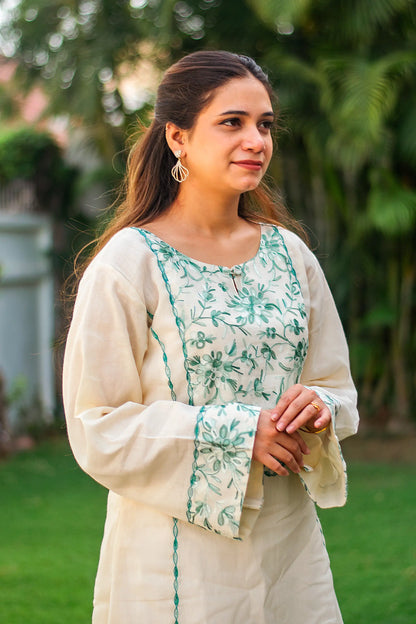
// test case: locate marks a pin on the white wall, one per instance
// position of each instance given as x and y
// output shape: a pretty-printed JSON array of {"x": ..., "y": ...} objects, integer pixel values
[{"x": 27, "y": 311}]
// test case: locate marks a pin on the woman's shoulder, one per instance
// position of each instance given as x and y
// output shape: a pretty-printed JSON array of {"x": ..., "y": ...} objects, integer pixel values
[
  {"x": 292, "y": 241},
  {"x": 303, "y": 259},
  {"x": 124, "y": 245},
  {"x": 125, "y": 254}
]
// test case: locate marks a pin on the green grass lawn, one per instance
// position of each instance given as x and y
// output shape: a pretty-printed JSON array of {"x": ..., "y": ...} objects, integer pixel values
[
  {"x": 51, "y": 522},
  {"x": 372, "y": 545}
]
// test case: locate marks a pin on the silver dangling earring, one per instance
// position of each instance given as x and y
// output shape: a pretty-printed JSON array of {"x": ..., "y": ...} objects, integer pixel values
[{"x": 179, "y": 171}]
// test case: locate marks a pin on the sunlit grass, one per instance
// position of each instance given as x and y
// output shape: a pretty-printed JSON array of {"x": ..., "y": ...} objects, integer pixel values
[
  {"x": 51, "y": 522},
  {"x": 373, "y": 547}
]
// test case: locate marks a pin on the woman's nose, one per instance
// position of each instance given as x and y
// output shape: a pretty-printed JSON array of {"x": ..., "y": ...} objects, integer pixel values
[{"x": 253, "y": 140}]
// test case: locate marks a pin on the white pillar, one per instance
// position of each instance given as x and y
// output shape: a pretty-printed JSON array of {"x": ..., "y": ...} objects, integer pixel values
[{"x": 27, "y": 312}]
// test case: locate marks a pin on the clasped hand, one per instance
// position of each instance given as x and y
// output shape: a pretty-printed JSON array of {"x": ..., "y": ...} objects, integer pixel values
[{"x": 277, "y": 439}]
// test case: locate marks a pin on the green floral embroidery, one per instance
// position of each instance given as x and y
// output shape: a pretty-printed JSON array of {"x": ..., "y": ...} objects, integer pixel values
[
  {"x": 222, "y": 458},
  {"x": 228, "y": 336},
  {"x": 165, "y": 361},
  {"x": 252, "y": 305},
  {"x": 241, "y": 348},
  {"x": 201, "y": 340},
  {"x": 175, "y": 572},
  {"x": 213, "y": 372}
]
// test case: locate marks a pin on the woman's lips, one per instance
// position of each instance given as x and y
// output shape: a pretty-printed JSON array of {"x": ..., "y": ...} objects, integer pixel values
[{"x": 253, "y": 165}]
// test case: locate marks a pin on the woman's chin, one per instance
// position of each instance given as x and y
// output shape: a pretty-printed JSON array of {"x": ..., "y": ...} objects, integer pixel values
[{"x": 250, "y": 186}]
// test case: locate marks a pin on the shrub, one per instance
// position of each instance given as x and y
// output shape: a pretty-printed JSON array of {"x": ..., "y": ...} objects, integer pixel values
[{"x": 30, "y": 154}]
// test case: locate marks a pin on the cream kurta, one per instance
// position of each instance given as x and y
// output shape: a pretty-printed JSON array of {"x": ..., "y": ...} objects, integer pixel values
[{"x": 168, "y": 363}]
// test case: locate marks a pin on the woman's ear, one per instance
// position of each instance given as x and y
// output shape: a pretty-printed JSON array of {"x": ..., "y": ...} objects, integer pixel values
[{"x": 175, "y": 137}]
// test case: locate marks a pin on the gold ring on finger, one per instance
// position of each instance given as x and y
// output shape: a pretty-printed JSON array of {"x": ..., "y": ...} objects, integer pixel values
[{"x": 316, "y": 406}]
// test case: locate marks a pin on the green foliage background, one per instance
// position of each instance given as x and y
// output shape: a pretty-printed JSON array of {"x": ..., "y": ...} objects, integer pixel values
[{"x": 345, "y": 76}]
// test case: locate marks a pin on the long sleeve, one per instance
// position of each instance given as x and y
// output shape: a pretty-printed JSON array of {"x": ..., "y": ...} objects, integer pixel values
[
  {"x": 326, "y": 370},
  {"x": 168, "y": 455}
]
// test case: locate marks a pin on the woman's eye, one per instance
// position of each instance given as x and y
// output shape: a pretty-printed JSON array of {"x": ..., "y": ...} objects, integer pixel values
[
  {"x": 234, "y": 121},
  {"x": 266, "y": 124}
]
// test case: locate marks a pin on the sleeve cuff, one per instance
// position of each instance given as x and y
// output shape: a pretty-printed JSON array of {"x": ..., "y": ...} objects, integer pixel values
[
  {"x": 220, "y": 487},
  {"x": 324, "y": 475}
]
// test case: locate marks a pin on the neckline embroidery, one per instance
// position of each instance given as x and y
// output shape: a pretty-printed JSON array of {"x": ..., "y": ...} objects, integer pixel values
[{"x": 235, "y": 269}]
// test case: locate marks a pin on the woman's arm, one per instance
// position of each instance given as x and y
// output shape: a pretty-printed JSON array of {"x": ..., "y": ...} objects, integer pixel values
[
  {"x": 325, "y": 380},
  {"x": 190, "y": 462}
]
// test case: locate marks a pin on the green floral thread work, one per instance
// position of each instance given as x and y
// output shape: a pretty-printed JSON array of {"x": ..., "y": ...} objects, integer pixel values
[
  {"x": 161, "y": 257},
  {"x": 230, "y": 336},
  {"x": 194, "y": 464},
  {"x": 175, "y": 572},
  {"x": 166, "y": 364},
  {"x": 222, "y": 458},
  {"x": 240, "y": 348}
]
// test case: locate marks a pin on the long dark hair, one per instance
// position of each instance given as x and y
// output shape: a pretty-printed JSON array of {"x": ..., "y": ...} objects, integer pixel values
[{"x": 187, "y": 87}]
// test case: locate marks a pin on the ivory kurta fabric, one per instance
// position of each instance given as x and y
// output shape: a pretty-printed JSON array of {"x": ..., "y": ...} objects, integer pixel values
[{"x": 168, "y": 363}]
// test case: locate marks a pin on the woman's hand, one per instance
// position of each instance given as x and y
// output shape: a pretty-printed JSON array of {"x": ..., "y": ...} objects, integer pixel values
[
  {"x": 300, "y": 407},
  {"x": 271, "y": 447}
]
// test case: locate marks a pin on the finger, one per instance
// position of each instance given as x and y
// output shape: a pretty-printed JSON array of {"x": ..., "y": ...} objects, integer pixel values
[
  {"x": 292, "y": 459},
  {"x": 276, "y": 465},
  {"x": 296, "y": 406},
  {"x": 290, "y": 445},
  {"x": 285, "y": 400},
  {"x": 315, "y": 425},
  {"x": 308, "y": 413},
  {"x": 324, "y": 418}
]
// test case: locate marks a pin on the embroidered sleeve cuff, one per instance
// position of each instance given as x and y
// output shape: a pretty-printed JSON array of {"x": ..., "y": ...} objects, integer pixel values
[{"x": 224, "y": 438}]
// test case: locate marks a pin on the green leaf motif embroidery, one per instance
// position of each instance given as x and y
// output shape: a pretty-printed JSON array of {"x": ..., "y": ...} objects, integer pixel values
[
  {"x": 241, "y": 348},
  {"x": 222, "y": 459},
  {"x": 230, "y": 335}
]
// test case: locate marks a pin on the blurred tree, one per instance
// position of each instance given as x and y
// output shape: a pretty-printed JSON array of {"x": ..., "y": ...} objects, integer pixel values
[
  {"x": 345, "y": 73},
  {"x": 74, "y": 50},
  {"x": 81, "y": 50},
  {"x": 346, "y": 79},
  {"x": 29, "y": 154}
]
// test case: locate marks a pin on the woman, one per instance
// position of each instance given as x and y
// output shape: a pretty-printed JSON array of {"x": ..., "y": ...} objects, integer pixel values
[{"x": 206, "y": 378}]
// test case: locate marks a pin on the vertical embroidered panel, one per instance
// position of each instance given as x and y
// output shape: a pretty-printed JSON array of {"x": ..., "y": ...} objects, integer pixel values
[{"x": 175, "y": 572}]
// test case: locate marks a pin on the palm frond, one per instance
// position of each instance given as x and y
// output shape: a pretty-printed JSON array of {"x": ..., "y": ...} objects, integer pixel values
[
  {"x": 275, "y": 12},
  {"x": 391, "y": 208},
  {"x": 360, "y": 19},
  {"x": 358, "y": 96}
]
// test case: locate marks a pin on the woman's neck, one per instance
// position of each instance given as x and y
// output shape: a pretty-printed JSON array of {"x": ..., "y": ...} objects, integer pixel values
[
  {"x": 210, "y": 213},
  {"x": 208, "y": 228}
]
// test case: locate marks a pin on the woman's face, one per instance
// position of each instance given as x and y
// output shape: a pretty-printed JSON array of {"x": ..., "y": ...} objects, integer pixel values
[{"x": 230, "y": 145}]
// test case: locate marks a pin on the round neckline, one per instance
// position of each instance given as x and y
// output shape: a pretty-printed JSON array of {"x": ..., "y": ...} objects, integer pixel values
[{"x": 207, "y": 265}]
